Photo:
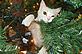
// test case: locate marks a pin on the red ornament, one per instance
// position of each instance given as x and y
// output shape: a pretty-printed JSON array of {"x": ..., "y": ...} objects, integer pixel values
[
  {"x": 1, "y": 1},
  {"x": 17, "y": 1},
  {"x": 17, "y": 14}
]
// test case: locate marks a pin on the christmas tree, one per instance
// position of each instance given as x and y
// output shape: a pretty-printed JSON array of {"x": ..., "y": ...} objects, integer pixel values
[
  {"x": 62, "y": 36},
  {"x": 6, "y": 48}
]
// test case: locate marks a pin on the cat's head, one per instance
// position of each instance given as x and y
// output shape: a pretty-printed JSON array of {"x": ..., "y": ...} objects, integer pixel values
[{"x": 46, "y": 14}]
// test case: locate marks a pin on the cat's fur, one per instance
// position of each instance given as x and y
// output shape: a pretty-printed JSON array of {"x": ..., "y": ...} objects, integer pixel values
[{"x": 47, "y": 15}]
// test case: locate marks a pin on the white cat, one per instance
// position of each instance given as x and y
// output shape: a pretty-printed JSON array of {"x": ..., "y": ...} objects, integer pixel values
[
  {"x": 44, "y": 13},
  {"x": 47, "y": 15}
]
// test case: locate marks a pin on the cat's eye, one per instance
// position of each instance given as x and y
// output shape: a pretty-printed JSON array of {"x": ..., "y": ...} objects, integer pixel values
[
  {"x": 44, "y": 13},
  {"x": 52, "y": 16}
]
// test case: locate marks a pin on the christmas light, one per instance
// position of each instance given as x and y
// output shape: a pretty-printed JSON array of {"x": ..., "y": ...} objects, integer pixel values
[
  {"x": 37, "y": 3},
  {"x": 11, "y": 3},
  {"x": 32, "y": 40},
  {"x": 33, "y": 6},
  {"x": 25, "y": 9},
  {"x": 25, "y": 15},
  {"x": 8, "y": 7}
]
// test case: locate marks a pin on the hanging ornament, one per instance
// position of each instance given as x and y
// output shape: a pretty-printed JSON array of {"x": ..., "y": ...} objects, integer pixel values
[
  {"x": 26, "y": 37},
  {"x": 17, "y": 1},
  {"x": 1, "y": 1},
  {"x": 18, "y": 13}
]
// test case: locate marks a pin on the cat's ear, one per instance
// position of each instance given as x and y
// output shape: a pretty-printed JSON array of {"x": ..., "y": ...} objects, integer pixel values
[
  {"x": 27, "y": 21},
  {"x": 42, "y": 4},
  {"x": 56, "y": 11}
]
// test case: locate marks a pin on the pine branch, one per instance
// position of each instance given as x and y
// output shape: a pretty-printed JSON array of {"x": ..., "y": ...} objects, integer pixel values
[
  {"x": 6, "y": 48},
  {"x": 62, "y": 34},
  {"x": 74, "y": 3}
]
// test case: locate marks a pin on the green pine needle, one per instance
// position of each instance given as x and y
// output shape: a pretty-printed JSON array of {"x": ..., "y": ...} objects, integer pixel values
[
  {"x": 62, "y": 34},
  {"x": 6, "y": 48}
]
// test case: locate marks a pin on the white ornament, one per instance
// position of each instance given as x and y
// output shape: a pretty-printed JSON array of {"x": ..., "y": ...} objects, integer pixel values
[{"x": 25, "y": 40}]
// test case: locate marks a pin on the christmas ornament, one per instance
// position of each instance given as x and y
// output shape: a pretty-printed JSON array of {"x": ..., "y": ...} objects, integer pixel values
[
  {"x": 1, "y": 1},
  {"x": 26, "y": 37},
  {"x": 18, "y": 13},
  {"x": 17, "y": 1}
]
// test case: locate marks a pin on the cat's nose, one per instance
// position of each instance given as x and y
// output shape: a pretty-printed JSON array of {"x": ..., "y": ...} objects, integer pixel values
[{"x": 48, "y": 17}]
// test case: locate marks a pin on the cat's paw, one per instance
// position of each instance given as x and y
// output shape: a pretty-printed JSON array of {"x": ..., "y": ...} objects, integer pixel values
[{"x": 27, "y": 21}]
